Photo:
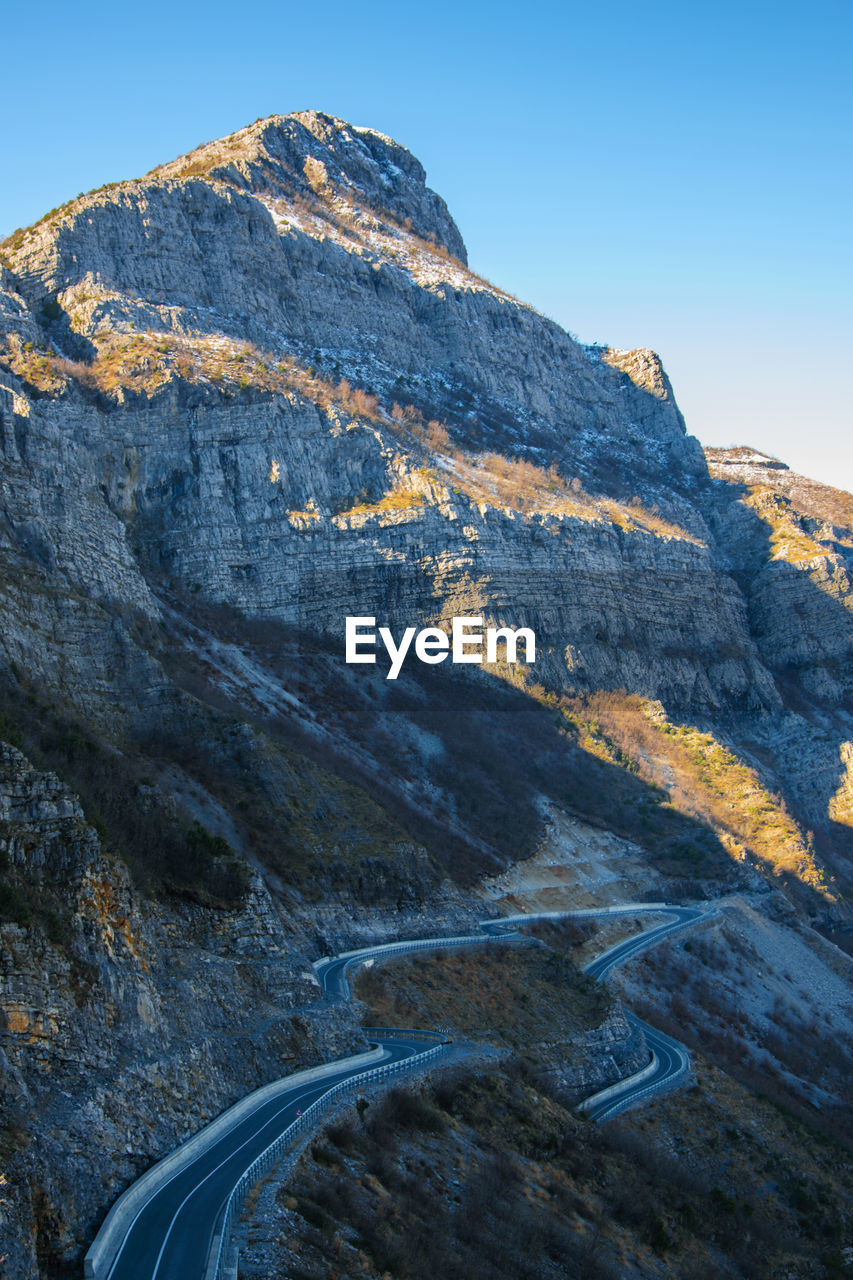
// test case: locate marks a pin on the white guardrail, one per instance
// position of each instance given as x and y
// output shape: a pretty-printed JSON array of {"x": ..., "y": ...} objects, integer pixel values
[
  {"x": 659, "y": 1086},
  {"x": 104, "y": 1248},
  {"x": 416, "y": 944},
  {"x": 462, "y": 941},
  {"x": 265, "y": 1161},
  {"x": 113, "y": 1231},
  {"x": 621, "y": 1086}
]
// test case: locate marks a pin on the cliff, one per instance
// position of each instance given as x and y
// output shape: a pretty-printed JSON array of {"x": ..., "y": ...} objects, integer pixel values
[
  {"x": 125, "y": 1025},
  {"x": 248, "y": 394}
]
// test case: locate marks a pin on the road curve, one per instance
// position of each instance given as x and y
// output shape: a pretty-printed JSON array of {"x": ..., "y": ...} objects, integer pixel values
[
  {"x": 332, "y": 971},
  {"x": 169, "y": 1237},
  {"x": 171, "y": 1234},
  {"x": 669, "y": 1062},
  {"x": 679, "y": 918}
]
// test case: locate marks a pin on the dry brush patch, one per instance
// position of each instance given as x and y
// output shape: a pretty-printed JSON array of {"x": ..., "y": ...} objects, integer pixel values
[
  {"x": 790, "y": 538},
  {"x": 482, "y": 1175},
  {"x": 147, "y": 361},
  {"x": 476, "y": 787},
  {"x": 506, "y": 996},
  {"x": 126, "y": 362},
  {"x": 757, "y": 1022},
  {"x": 827, "y": 511},
  {"x": 702, "y": 777}
]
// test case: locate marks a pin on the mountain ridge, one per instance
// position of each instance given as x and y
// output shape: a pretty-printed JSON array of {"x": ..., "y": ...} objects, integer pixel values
[{"x": 241, "y": 399}]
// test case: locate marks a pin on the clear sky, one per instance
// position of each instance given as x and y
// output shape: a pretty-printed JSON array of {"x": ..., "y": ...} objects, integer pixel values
[{"x": 668, "y": 175}]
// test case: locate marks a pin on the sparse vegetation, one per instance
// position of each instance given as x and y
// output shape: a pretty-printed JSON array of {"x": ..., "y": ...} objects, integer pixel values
[
  {"x": 469, "y": 787},
  {"x": 700, "y": 776},
  {"x": 483, "y": 1175},
  {"x": 144, "y": 363},
  {"x": 788, "y": 533},
  {"x": 165, "y": 851},
  {"x": 712, "y": 991},
  {"x": 512, "y": 998},
  {"x": 409, "y": 497}
]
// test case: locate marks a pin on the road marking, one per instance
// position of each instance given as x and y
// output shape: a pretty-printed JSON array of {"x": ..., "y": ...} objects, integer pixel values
[
  {"x": 336, "y": 966},
  {"x": 222, "y": 1163},
  {"x": 202, "y": 1155},
  {"x": 170, "y": 1180}
]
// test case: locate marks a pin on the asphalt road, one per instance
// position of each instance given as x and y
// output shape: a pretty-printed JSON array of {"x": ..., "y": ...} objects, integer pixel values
[
  {"x": 669, "y": 1058},
  {"x": 332, "y": 970},
  {"x": 170, "y": 1237},
  {"x": 679, "y": 918}
]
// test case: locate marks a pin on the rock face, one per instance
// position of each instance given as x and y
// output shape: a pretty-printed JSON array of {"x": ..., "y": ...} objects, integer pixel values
[
  {"x": 260, "y": 388},
  {"x": 306, "y": 241},
  {"x": 612, "y": 1052},
  {"x": 788, "y": 542},
  {"x": 130, "y": 1029},
  {"x": 303, "y": 234},
  {"x": 264, "y": 375}
]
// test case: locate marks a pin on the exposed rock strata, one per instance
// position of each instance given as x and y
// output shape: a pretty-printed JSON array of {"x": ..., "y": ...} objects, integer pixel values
[
  {"x": 143, "y": 1022},
  {"x": 173, "y": 426}
]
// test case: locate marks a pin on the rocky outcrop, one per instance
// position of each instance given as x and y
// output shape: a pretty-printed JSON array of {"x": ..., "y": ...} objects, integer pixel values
[
  {"x": 263, "y": 379},
  {"x": 263, "y": 376},
  {"x": 281, "y": 235},
  {"x": 255, "y": 503},
  {"x": 126, "y": 1024},
  {"x": 788, "y": 541},
  {"x": 309, "y": 152},
  {"x": 602, "y": 1057},
  {"x": 321, "y": 244}
]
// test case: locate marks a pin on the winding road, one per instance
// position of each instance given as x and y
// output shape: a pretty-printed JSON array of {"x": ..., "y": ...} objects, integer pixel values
[
  {"x": 679, "y": 918},
  {"x": 668, "y": 1063},
  {"x": 173, "y": 1223}
]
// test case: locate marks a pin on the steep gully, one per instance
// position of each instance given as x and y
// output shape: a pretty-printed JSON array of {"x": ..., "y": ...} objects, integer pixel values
[{"x": 174, "y": 1223}]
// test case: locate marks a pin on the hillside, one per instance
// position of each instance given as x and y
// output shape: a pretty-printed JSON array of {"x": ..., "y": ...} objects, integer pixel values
[{"x": 245, "y": 396}]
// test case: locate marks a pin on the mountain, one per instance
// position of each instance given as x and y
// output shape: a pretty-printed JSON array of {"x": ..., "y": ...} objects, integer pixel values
[{"x": 246, "y": 396}]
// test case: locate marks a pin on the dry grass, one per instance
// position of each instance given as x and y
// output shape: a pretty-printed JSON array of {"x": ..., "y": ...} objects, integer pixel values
[
  {"x": 518, "y": 485},
  {"x": 485, "y": 1175},
  {"x": 393, "y": 500},
  {"x": 818, "y": 502},
  {"x": 789, "y": 539},
  {"x": 145, "y": 363},
  {"x": 508, "y": 997},
  {"x": 411, "y": 492},
  {"x": 704, "y": 779}
]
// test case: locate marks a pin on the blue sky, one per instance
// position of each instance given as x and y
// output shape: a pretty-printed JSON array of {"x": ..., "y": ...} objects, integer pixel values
[{"x": 665, "y": 175}]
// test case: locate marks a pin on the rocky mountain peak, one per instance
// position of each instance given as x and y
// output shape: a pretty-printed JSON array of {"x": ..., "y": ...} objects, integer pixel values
[
  {"x": 318, "y": 241},
  {"x": 243, "y": 399},
  {"x": 310, "y": 154}
]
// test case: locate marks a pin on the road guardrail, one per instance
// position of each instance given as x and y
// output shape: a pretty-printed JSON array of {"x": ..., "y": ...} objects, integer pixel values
[{"x": 265, "y": 1161}]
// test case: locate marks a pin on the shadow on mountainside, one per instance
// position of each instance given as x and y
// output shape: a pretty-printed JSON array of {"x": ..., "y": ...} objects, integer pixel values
[
  {"x": 347, "y": 770},
  {"x": 469, "y": 759},
  {"x": 462, "y": 762},
  {"x": 804, "y": 635}
]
